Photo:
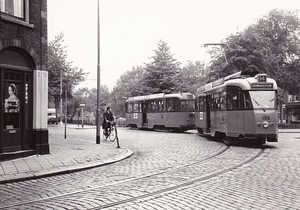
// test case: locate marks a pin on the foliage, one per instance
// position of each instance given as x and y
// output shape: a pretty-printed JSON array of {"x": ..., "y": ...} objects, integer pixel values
[
  {"x": 270, "y": 46},
  {"x": 58, "y": 68},
  {"x": 89, "y": 98},
  {"x": 161, "y": 72},
  {"x": 129, "y": 84},
  {"x": 190, "y": 77}
]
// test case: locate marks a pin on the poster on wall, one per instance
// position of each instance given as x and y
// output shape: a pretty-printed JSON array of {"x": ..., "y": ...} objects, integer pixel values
[
  {"x": 11, "y": 101},
  {"x": 11, "y": 106}
]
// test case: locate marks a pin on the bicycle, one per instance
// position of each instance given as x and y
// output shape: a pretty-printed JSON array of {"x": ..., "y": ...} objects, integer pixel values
[{"x": 112, "y": 132}]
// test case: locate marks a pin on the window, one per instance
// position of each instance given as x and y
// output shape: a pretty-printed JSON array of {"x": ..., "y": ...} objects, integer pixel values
[
  {"x": 16, "y": 11},
  {"x": 129, "y": 107},
  {"x": 13, "y": 7},
  {"x": 232, "y": 98},
  {"x": 170, "y": 105},
  {"x": 161, "y": 105}
]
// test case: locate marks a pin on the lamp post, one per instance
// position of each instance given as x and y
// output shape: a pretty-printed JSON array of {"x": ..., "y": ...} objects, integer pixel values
[
  {"x": 98, "y": 81},
  {"x": 61, "y": 101}
]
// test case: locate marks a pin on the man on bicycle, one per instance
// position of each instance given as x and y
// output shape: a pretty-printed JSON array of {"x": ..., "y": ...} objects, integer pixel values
[{"x": 108, "y": 118}]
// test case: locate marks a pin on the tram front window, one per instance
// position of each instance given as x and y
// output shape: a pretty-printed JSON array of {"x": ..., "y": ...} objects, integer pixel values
[{"x": 263, "y": 99}]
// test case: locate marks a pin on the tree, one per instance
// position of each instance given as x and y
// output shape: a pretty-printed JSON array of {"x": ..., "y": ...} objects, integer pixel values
[
  {"x": 89, "y": 98},
  {"x": 59, "y": 68},
  {"x": 161, "y": 72},
  {"x": 190, "y": 77},
  {"x": 270, "y": 46},
  {"x": 129, "y": 84}
]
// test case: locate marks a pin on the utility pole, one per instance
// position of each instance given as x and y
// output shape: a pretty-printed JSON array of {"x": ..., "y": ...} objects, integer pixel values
[
  {"x": 61, "y": 101},
  {"x": 98, "y": 81}
]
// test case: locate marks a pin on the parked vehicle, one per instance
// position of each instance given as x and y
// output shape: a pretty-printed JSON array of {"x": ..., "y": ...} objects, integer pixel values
[{"x": 52, "y": 116}]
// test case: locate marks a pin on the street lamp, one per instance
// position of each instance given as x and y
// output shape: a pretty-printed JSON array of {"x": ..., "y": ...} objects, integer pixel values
[{"x": 98, "y": 81}]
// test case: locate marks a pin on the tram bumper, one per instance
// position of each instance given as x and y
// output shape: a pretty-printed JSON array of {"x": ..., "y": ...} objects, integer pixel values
[{"x": 267, "y": 137}]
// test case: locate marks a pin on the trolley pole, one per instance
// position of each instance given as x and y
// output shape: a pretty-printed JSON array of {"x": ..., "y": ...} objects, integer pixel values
[{"x": 98, "y": 81}]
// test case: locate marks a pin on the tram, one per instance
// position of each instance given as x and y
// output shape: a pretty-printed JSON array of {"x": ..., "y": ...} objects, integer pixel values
[
  {"x": 241, "y": 107},
  {"x": 161, "y": 111}
]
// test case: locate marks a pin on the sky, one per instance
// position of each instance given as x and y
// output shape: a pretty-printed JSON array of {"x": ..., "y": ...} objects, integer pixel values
[{"x": 131, "y": 29}]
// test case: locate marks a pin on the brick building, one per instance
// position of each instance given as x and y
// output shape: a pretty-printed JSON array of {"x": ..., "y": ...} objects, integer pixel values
[{"x": 23, "y": 78}]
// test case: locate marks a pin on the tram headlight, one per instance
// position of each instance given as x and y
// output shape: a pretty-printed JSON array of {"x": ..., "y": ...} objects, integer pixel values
[{"x": 265, "y": 124}]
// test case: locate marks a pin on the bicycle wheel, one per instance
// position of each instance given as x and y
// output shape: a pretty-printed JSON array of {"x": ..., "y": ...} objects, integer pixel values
[{"x": 113, "y": 133}]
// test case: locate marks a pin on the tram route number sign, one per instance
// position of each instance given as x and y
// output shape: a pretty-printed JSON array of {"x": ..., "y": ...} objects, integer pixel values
[{"x": 201, "y": 115}]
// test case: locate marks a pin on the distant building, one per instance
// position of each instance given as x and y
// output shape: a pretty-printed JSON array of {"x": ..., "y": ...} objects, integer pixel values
[
  {"x": 23, "y": 78},
  {"x": 293, "y": 109}
]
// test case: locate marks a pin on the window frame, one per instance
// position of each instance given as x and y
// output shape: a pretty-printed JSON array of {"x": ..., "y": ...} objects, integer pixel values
[{"x": 18, "y": 20}]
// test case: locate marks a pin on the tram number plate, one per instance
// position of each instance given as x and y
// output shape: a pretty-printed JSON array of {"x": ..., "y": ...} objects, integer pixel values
[
  {"x": 135, "y": 115},
  {"x": 265, "y": 117}
]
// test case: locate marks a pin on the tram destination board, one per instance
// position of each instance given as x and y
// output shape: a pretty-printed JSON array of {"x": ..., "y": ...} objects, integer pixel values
[{"x": 262, "y": 85}]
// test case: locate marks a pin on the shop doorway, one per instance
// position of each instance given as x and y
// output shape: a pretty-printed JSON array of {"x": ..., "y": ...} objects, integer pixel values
[{"x": 16, "y": 112}]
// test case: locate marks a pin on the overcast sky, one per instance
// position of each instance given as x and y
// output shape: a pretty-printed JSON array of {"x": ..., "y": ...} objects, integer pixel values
[{"x": 131, "y": 29}]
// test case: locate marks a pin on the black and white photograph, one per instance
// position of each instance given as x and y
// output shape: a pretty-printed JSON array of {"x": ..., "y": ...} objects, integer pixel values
[{"x": 149, "y": 105}]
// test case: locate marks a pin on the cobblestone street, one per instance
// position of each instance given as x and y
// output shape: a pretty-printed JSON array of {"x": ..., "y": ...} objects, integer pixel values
[{"x": 170, "y": 171}]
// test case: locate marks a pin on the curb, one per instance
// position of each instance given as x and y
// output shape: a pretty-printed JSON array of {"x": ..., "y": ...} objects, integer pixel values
[{"x": 65, "y": 170}]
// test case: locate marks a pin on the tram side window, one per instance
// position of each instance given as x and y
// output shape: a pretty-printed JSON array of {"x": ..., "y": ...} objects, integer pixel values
[
  {"x": 129, "y": 107},
  {"x": 197, "y": 104},
  {"x": 202, "y": 104},
  {"x": 244, "y": 100},
  {"x": 216, "y": 101},
  {"x": 177, "y": 104},
  {"x": 232, "y": 98},
  {"x": 161, "y": 105},
  {"x": 191, "y": 106},
  {"x": 153, "y": 106},
  {"x": 170, "y": 105},
  {"x": 183, "y": 105},
  {"x": 135, "y": 107},
  {"x": 223, "y": 100}
]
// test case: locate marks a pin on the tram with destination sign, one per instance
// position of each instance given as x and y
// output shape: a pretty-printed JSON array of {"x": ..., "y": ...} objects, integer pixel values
[
  {"x": 161, "y": 111},
  {"x": 241, "y": 107}
]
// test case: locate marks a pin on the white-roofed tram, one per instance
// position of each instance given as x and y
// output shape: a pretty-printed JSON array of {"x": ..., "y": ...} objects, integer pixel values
[
  {"x": 238, "y": 107},
  {"x": 161, "y": 111}
]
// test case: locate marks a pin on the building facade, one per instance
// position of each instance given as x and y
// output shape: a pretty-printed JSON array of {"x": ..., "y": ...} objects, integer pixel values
[{"x": 24, "y": 78}]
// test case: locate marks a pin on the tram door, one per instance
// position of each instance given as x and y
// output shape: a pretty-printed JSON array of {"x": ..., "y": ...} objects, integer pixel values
[
  {"x": 144, "y": 114},
  {"x": 208, "y": 121}
]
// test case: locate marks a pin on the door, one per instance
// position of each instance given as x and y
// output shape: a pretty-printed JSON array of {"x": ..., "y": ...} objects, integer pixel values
[
  {"x": 16, "y": 111},
  {"x": 208, "y": 107},
  {"x": 144, "y": 114}
]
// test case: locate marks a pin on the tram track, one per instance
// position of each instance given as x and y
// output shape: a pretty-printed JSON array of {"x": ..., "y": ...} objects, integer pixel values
[{"x": 137, "y": 188}]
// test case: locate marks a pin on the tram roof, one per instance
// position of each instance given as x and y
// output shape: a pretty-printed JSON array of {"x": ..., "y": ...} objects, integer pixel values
[
  {"x": 182, "y": 96},
  {"x": 244, "y": 81}
]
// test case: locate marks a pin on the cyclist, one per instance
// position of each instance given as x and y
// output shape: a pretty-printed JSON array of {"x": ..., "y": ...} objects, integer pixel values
[{"x": 108, "y": 118}]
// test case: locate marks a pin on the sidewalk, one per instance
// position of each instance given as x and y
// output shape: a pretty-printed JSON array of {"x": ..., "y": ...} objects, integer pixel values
[{"x": 65, "y": 156}]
